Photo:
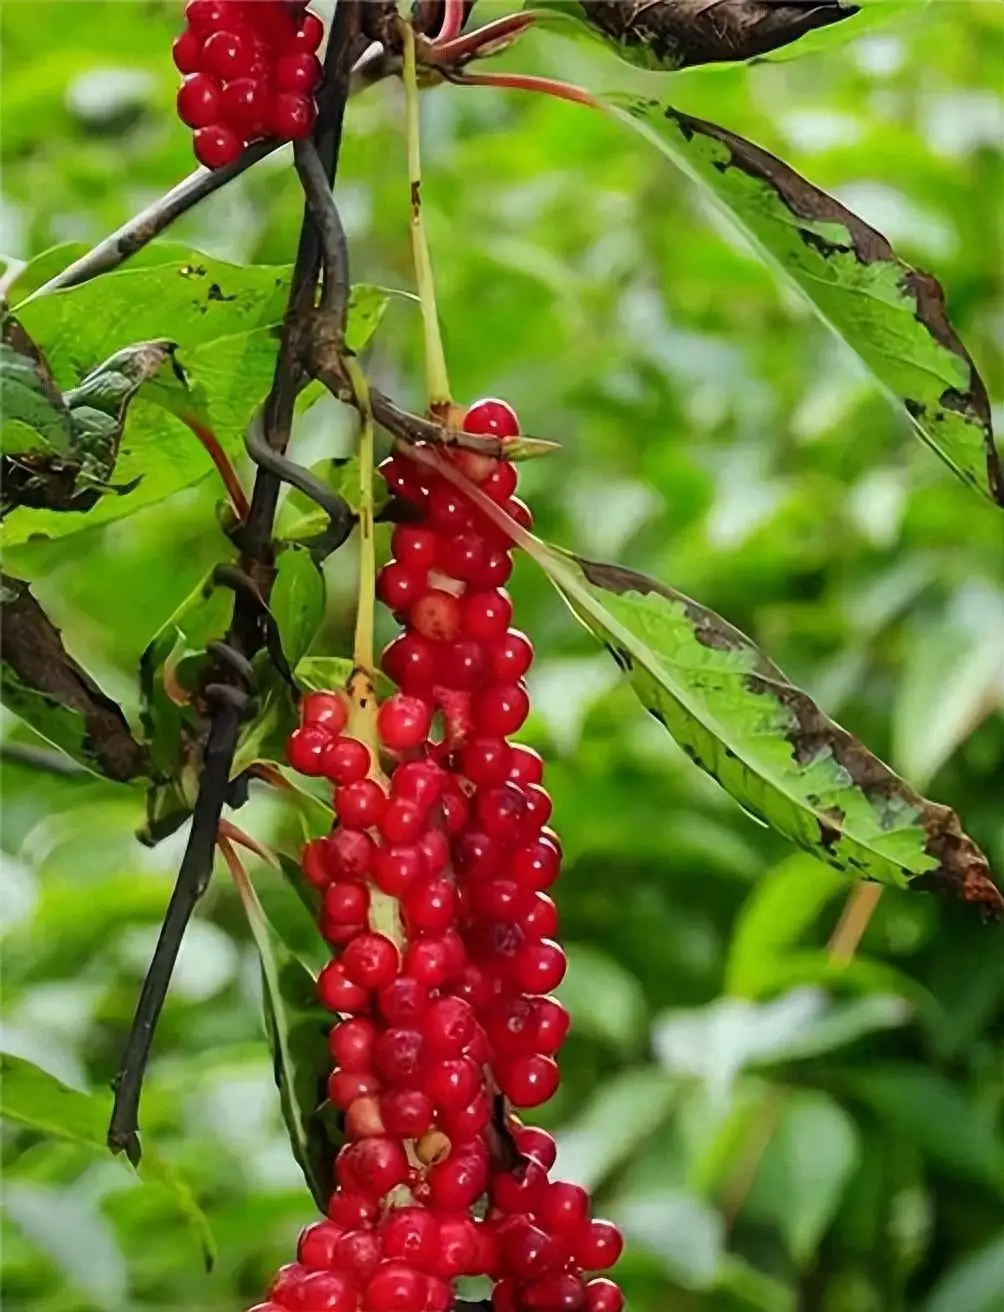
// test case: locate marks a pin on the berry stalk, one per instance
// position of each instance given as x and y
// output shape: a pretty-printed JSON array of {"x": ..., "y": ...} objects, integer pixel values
[{"x": 437, "y": 375}]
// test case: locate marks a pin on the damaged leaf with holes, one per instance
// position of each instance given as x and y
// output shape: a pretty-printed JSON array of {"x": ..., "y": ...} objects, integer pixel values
[
  {"x": 767, "y": 743},
  {"x": 892, "y": 315}
]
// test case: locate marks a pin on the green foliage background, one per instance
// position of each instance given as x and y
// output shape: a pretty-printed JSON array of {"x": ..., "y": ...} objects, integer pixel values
[{"x": 773, "y": 1133}]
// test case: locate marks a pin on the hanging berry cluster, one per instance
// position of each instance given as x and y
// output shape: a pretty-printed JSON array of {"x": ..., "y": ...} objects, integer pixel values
[
  {"x": 434, "y": 885},
  {"x": 251, "y": 70}
]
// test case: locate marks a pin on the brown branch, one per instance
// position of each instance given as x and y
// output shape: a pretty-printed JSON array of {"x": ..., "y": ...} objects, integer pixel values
[
  {"x": 247, "y": 634},
  {"x": 31, "y": 645}
]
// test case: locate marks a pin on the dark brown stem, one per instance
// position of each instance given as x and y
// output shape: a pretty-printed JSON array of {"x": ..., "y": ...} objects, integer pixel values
[
  {"x": 32, "y": 647},
  {"x": 246, "y": 634}
]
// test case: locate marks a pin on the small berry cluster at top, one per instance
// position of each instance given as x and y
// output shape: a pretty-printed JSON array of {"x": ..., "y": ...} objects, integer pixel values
[
  {"x": 434, "y": 898},
  {"x": 251, "y": 70}
]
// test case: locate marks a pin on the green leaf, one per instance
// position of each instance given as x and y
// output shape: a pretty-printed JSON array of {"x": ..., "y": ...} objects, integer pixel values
[
  {"x": 297, "y": 1028},
  {"x": 608, "y": 1002},
  {"x": 736, "y": 716},
  {"x": 222, "y": 319},
  {"x": 892, "y": 315},
  {"x": 667, "y": 36},
  {"x": 367, "y": 306},
  {"x": 624, "y": 1112},
  {"x": 806, "y": 1167},
  {"x": 297, "y": 601},
  {"x": 33, "y": 414},
  {"x": 36, "y": 1100},
  {"x": 974, "y": 1284},
  {"x": 781, "y": 906},
  {"x": 323, "y": 673}
]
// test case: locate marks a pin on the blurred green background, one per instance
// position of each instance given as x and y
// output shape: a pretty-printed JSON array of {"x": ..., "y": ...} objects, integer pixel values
[{"x": 773, "y": 1133}]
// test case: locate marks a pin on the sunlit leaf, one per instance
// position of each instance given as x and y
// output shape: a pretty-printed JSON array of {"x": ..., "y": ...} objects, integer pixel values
[
  {"x": 892, "y": 315},
  {"x": 767, "y": 743}
]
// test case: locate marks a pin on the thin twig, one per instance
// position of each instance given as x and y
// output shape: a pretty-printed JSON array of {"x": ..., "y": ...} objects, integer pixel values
[
  {"x": 483, "y": 41},
  {"x": 334, "y": 246},
  {"x": 853, "y": 922},
  {"x": 139, "y": 231},
  {"x": 246, "y": 633}
]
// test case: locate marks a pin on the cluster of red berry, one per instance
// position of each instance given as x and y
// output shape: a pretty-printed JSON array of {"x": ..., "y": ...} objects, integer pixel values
[
  {"x": 251, "y": 70},
  {"x": 434, "y": 895}
]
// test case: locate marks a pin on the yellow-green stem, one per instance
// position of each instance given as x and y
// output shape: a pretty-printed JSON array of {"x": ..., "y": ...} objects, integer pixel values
[
  {"x": 437, "y": 379},
  {"x": 363, "y": 648}
]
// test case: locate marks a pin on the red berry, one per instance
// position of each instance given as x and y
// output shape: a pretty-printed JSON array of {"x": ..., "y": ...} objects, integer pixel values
[
  {"x": 458, "y": 1247},
  {"x": 350, "y": 854},
  {"x": 430, "y": 906},
  {"x": 398, "y": 586},
  {"x": 293, "y": 116},
  {"x": 403, "y": 1000},
  {"x": 338, "y": 993},
  {"x": 420, "y": 782},
  {"x": 527, "y": 1251},
  {"x": 228, "y": 55},
  {"x": 305, "y": 749},
  {"x": 351, "y": 1209},
  {"x": 407, "y": 1113},
  {"x": 449, "y": 510},
  {"x": 452, "y": 1084},
  {"x": 359, "y": 1254},
  {"x": 351, "y": 1044},
  {"x": 346, "y": 904},
  {"x": 463, "y": 1124},
  {"x": 370, "y": 960},
  {"x": 536, "y": 1144},
  {"x": 536, "y": 866},
  {"x": 500, "y": 811},
  {"x": 347, "y": 1087},
  {"x": 396, "y": 1287},
  {"x": 325, "y": 708},
  {"x": 360, "y": 805},
  {"x": 411, "y": 1235},
  {"x": 511, "y": 656},
  {"x": 541, "y": 921},
  {"x": 538, "y": 967},
  {"x": 456, "y": 1184},
  {"x": 528, "y": 1080},
  {"x": 598, "y": 1246},
  {"x": 463, "y": 556},
  {"x": 552, "y": 1023},
  {"x": 397, "y": 1056},
  {"x": 436, "y": 615},
  {"x": 410, "y": 661},
  {"x": 435, "y": 847},
  {"x": 301, "y": 73},
  {"x": 402, "y": 822},
  {"x": 187, "y": 52},
  {"x": 500, "y": 710},
  {"x": 395, "y": 869},
  {"x": 559, "y": 1293},
  {"x": 486, "y": 614},
  {"x": 464, "y": 664},
  {"x": 345, "y": 760},
  {"x": 415, "y": 548},
  {"x": 403, "y": 722},
  {"x": 216, "y": 146},
  {"x": 246, "y": 104},
  {"x": 486, "y": 761},
  {"x": 563, "y": 1208},
  {"x": 603, "y": 1296},
  {"x": 428, "y": 961},
  {"x": 449, "y": 1026},
  {"x": 315, "y": 1248},
  {"x": 501, "y": 482},
  {"x": 491, "y": 417},
  {"x": 374, "y": 1166},
  {"x": 310, "y": 34},
  {"x": 205, "y": 16},
  {"x": 518, "y": 1192}
]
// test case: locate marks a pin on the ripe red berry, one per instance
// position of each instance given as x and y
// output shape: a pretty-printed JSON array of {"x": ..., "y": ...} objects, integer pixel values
[
  {"x": 329, "y": 709},
  {"x": 305, "y": 749},
  {"x": 397, "y": 1056},
  {"x": 500, "y": 710},
  {"x": 420, "y": 782},
  {"x": 411, "y": 1235},
  {"x": 603, "y": 1296},
  {"x": 551, "y": 1024},
  {"x": 186, "y": 52},
  {"x": 511, "y": 656},
  {"x": 359, "y": 1254},
  {"x": 228, "y": 55},
  {"x": 456, "y": 1184},
  {"x": 458, "y": 1247},
  {"x": 246, "y": 105},
  {"x": 430, "y": 906},
  {"x": 411, "y": 662},
  {"x": 403, "y": 722},
  {"x": 347, "y": 1087},
  {"x": 361, "y": 804},
  {"x": 349, "y": 854},
  {"x": 415, "y": 548},
  {"x": 538, "y": 967},
  {"x": 300, "y": 73},
  {"x": 486, "y": 614},
  {"x": 528, "y": 1080},
  {"x": 537, "y": 1144},
  {"x": 370, "y": 960},
  {"x": 352, "y": 1209},
  {"x": 398, "y": 586},
  {"x": 436, "y": 615},
  {"x": 559, "y": 1293},
  {"x": 598, "y": 1246},
  {"x": 527, "y": 1251},
  {"x": 402, "y": 822},
  {"x": 374, "y": 1166},
  {"x": 403, "y": 1001},
  {"x": 454, "y": 1083},
  {"x": 395, "y": 869},
  {"x": 293, "y": 116},
  {"x": 449, "y": 1026},
  {"x": 216, "y": 146},
  {"x": 351, "y": 1043},
  {"x": 345, "y": 760},
  {"x": 428, "y": 960},
  {"x": 407, "y": 1113},
  {"x": 205, "y": 16},
  {"x": 396, "y": 1287},
  {"x": 338, "y": 993},
  {"x": 315, "y": 1248},
  {"x": 563, "y": 1207},
  {"x": 310, "y": 34},
  {"x": 491, "y": 417},
  {"x": 346, "y": 903},
  {"x": 486, "y": 761}
]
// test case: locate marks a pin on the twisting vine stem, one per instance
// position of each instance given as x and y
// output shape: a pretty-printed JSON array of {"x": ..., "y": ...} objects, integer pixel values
[
  {"x": 437, "y": 378},
  {"x": 363, "y": 648},
  {"x": 247, "y": 632}
]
